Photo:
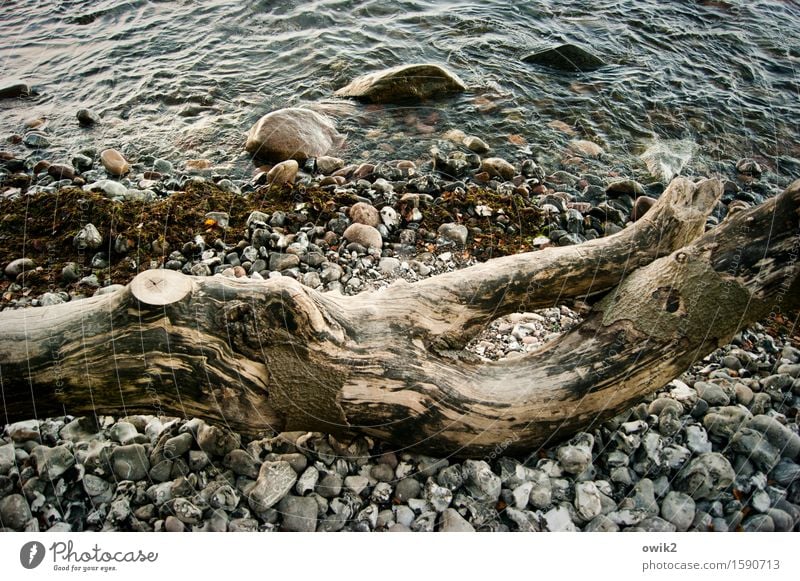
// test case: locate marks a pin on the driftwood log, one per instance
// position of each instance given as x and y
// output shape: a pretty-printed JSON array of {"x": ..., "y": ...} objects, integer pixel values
[{"x": 258, "y": 355}]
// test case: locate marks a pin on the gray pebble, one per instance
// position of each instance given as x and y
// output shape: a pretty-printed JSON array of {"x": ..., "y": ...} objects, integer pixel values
[
  {"x": 705, "y": 476},
  {"x": 382, "y": 473},
  {"x": 130, "y": 462},
  {"x": 298, "y": 513},
  {"x": 242, "y": 463},
  {"x": 14, "y": 512},
  {"x": 178, "y": 445},
  {"x": 330, "y": 486},
  {"x": 679, "y": 509},
  {"x": 307, "y": 481},
  {"x": 481, "y": 482},
  {"x": 407, "y": 489},
  {"x": 587, "y": 500},
  {"x": 601, "y": 524},
  {"x": 759, "y": 523},
  {"x": 51, "y": 463},
  {"x": 439, "y": 496},
  {"x": 712, "y": 393},
  {"x": 356, "y": 484},
  {"x": 275, "y": 480},
  {"x": 453, "y": 522}
]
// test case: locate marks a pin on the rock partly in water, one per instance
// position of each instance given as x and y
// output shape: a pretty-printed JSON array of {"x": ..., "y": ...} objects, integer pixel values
[
  {"x": 86, "y": 117},
  {"x": 404, "y": 83},
  {"x": 13, "y": 89},
  {"x": 292, "y": 133},
  {"x": 566, "y": 57},
  {"x": 114, "y": 162},
  {"x": 498, "y": 167},
  {"x": 586, "y": 148}
]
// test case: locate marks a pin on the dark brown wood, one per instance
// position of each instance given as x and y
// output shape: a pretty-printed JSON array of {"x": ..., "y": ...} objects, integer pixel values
[{"x": 258, "y": 355}]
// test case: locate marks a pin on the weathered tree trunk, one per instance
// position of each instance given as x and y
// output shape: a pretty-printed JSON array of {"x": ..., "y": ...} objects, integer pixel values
[{"x": 275, "y": 354}]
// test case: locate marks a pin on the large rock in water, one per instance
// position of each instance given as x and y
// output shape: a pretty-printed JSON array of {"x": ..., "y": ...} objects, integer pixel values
[
  {"x": 292, "y": 133},
  {"x": 566, "y": 57},
  {"x": 403, "y": 83},
  {"x": 13, "y": 89}
]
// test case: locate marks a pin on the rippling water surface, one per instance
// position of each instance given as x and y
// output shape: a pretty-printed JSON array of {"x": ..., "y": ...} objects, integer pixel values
[{"x": 188, "y": 78}]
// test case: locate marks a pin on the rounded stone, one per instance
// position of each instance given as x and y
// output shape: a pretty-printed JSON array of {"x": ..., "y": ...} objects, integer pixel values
[
  {"x": 86, "y": 117},
  {"x": 292, "y": 133},
  {"x": 130, "y": 462},
  {"x": 476, "y": 144},
  {"x": 498, "y": 167},
  {"x": 455, "y": 233},
  {"x": 705, "y": 476},
  {"x": 586, "y": 148},
  {"x": 330, "y": 486},
  {"x": 759, "y": 523},
  {"x": 14, "y": 512},
  {"x": 326, "y": 164},
  {"x": 61, "y": 171},
  {"x": 114, "y": 162},
  {"x": 173, "y": 525},
  {"x": 403, "y": 83},
  {"x": 178, "y": 445},
  {"x": 283, "y": 173},
  {"x": 18, "y": 266},
  {"x": 641, "y": 206},
  {"x": 407, "y": 489},
  {"x": 298, "y": 513},
  {"x": 366, "y": 236},
  {"x": 363, "y": 213},
  {"x": 679, "y": 509}
]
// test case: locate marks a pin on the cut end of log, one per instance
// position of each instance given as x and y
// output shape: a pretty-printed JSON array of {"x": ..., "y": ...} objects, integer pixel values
[{"x": 160, "y": 287}]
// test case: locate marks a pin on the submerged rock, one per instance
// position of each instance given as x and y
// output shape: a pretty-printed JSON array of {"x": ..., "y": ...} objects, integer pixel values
[
  {"x": 13, "y": 90},
  {"x": 566, "y": 57},
  {"x": 403, "y": 83},
  {"x": 86, "y": 117},
  {"x": 292, "y": 133}
]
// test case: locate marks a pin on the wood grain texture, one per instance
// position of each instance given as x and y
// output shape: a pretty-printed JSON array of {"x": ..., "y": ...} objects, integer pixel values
[{"x": 257, "y": 355}]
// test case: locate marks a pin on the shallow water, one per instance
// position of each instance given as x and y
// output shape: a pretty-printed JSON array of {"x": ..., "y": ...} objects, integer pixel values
[{"x": 187, "y": 79}]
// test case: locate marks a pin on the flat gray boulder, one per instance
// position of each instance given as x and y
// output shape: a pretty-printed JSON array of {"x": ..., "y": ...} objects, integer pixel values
[
  {"x": 404, "y": 83},
  {"x": 566, "y": 57},
  {"x": 292, "y": 133}
]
